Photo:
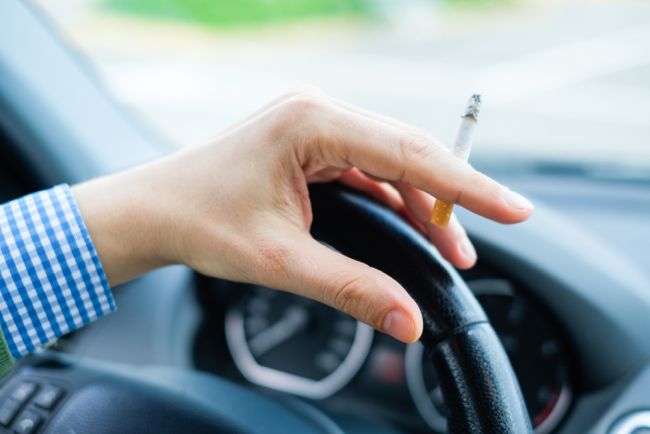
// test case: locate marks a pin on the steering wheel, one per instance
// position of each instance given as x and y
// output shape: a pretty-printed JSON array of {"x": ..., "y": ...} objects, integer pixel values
[{"x": 477, "y": 381}]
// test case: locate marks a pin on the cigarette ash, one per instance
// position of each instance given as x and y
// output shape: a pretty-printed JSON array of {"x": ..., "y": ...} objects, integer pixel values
[{"x": 473, "y": 107}]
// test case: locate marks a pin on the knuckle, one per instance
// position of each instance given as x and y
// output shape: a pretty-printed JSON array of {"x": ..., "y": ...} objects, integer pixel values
[
  {"x": 347, "y": 295},
  {"x": 305, "y": 89},
  {"x": 300, "y": 115},
  {"x": 416, "y": 147},
  {"x": 412, "y": 149},
  {"x": 354, "y": 297},
  {"x": 303, "y": 104}
]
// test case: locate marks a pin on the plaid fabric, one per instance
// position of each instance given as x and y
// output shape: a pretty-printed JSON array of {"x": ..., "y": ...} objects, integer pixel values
[{"x": 51, "y": 280}]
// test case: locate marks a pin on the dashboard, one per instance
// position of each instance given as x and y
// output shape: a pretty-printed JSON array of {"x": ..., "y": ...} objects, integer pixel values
[{"x": 283, "y": 343}]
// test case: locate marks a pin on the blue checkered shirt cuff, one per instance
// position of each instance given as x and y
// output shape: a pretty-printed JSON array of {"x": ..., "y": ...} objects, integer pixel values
[{"x": 51, "y": 280}]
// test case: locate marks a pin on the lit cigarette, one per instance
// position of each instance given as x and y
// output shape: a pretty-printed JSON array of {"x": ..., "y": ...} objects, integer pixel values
[{"x": 461, "y": 149}]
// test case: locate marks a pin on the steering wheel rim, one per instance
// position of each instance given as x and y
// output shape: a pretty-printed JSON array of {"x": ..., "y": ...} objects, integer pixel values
[{"x": 477, "y": 381}]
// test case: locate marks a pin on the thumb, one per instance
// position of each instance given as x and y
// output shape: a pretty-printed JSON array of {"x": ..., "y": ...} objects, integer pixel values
[{"x": 314, "y": 270}]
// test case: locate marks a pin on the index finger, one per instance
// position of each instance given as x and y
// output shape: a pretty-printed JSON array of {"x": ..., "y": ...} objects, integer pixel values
[{"x": 398, "y": 153}]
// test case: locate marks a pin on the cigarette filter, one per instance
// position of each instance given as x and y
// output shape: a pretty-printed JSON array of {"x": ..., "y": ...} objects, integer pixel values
[{"x": 461, "y": 148}]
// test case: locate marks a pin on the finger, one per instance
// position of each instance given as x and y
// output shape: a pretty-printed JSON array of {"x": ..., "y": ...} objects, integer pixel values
[
  {"x": 452, "y": 241},
  {"x": 381, "y": 191},
  {"x": 309, "y": 268},
  {"x": 376, "y": 116},
  {"x": 396, "y": 153}
]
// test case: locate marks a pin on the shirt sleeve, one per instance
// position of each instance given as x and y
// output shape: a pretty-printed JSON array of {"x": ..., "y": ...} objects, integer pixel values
[{"x": 51, "y": 279}]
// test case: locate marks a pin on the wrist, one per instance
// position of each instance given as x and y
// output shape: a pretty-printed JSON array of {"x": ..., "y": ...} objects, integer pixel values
[{"x": 121, "y": 224}]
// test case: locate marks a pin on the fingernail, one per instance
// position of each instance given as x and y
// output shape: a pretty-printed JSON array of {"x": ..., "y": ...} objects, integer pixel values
[
  {"x": 515, "y": 200},
  {"x": 398, "y": 325},
  {"x": 467, "y": 249}
]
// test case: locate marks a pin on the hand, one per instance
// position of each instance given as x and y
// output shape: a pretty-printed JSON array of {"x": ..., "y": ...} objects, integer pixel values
[{"x": 238, "y": 207}]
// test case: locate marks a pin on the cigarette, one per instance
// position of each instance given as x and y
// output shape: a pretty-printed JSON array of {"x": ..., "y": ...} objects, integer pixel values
[{"x": 461, "y": 148}]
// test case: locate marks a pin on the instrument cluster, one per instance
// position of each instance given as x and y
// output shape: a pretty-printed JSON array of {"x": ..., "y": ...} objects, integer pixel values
[{"x": 290, "y": 344}]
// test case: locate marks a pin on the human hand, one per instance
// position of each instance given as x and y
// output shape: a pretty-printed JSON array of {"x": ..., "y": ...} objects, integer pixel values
[{"x": 238, "y": 207}]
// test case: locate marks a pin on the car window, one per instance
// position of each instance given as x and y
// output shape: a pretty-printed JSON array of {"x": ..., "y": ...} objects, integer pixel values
[{"x": 565, "y": 84}]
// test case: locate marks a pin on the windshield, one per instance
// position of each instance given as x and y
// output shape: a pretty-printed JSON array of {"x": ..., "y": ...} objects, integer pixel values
[{"x": 565, "y": 84}]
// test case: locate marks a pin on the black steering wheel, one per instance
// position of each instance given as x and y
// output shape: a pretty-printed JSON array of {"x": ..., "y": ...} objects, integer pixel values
[{"x": 478, "y": 383}]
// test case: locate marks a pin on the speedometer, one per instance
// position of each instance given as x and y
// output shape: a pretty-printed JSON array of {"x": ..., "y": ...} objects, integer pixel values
[{"x": 289, "y": 343}]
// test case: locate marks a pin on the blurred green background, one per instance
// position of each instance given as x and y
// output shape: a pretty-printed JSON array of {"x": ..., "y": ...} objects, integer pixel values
[
  {"x": 225, "y": 13},
  {"x": 229, "y": 13}
]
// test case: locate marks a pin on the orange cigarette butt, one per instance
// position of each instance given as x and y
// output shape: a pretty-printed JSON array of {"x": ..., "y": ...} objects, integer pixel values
[{"x": 441, "y": 213}]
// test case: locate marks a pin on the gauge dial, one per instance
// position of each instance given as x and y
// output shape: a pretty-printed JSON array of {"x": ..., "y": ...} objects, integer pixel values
[
  {"x": 534, "y": 347},
  {"x": 294, "y": 344}
]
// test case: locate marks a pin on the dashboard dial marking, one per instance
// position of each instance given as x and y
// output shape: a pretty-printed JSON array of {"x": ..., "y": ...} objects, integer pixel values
[{"x": 295, "y": 345}]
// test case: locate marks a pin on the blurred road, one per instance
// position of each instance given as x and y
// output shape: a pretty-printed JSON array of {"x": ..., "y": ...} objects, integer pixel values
[{"x": 562, "y": 80}]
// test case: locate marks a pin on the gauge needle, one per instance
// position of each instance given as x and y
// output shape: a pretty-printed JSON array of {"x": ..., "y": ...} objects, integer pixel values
[{"x": 293, "y": 321}]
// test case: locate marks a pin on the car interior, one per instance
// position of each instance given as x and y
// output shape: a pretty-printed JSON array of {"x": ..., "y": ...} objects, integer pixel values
[{"x": 551, "y": 328}]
